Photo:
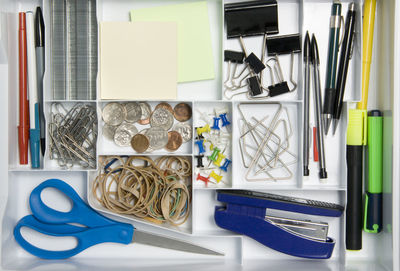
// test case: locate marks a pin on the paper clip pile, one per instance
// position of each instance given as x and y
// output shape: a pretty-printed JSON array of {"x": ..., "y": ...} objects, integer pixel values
[
  {"x": 73, "y": 135},
  {"x": 265, "y": 142}
]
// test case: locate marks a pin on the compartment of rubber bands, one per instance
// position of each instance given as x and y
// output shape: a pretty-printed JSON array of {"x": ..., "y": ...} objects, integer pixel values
[{"x": 154, "y": 190}]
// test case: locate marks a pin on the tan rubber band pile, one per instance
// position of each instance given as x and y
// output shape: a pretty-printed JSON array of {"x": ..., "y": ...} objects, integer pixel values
[{"x": 154, "y": 190}]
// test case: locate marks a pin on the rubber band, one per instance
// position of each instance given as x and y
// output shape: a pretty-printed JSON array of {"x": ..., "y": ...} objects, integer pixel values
[{"x": 153, "y": 190}]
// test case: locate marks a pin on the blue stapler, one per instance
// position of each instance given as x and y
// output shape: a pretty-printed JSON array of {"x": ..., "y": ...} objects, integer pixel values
[{"x": 245, "y": 213}]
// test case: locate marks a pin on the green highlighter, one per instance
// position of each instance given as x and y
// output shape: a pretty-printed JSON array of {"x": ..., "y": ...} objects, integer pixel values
[{"x": 373, "y": 200}]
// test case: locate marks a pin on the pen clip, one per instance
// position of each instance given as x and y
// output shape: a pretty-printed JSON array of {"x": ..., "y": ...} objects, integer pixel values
[{"x": 352, "y": 45}]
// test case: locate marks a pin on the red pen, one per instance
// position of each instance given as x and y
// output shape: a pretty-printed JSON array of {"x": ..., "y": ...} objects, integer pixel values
[{"x": 23, "y": 128}]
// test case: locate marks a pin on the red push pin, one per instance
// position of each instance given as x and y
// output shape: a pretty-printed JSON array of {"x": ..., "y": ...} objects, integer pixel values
[{"x": 202, "y": 178}]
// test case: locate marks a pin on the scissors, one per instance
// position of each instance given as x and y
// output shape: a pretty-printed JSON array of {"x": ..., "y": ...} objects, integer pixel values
[{"x": 99, "y": 229}]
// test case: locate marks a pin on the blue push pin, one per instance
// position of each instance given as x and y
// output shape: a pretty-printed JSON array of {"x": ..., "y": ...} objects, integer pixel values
[
  {"x": 225, "y": 121},
  {"x": 200, "y": 144},
  {"x": 216, "y": 124},
  {"x": 226, "y": 164}
]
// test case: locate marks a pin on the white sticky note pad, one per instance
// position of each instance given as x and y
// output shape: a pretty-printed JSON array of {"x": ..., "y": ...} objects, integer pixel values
[{"x": 138, "y": 60}]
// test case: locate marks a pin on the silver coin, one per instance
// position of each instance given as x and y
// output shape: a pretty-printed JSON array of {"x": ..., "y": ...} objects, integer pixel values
[
  {"x": 109, "y": 131},
  {"x": 122, "y": 138},
  {"x": 158, "y": 137},
  {"x": 113, "y": 114},
  {"x": 133, "y": 112},
  {"x": 130, "y": 127},
  {"x": 146, "y": 110},
  {"x": 161, "y": 117},
  {"x": 185, "y": 129}
]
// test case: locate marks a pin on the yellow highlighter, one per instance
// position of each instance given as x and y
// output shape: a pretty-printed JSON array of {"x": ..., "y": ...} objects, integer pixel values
[{"x": 357, "y": 137}]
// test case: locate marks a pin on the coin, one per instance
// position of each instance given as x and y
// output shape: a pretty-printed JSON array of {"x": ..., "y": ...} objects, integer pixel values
[
  {"x": 113, "y": 114},
  {"x": 182, "y": 112},
  {"x": 140, "y": 143},
  {"x": 122, "y": 138},
  {"x": 174, "y": 141},
  {"x": 129, "y": 127},
  {"x": 162, "y": 118},
  {"x": 146, "y": 112},
  {"x": 158, "y": 137},
  {"x": 165, "y": 106},
  {"x": 133, "y": 112},
  {"x": 109, "y": 131},
  {"x": 185, "y": 129}
]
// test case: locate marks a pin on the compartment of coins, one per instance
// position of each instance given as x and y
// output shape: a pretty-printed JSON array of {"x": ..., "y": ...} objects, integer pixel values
[{"x": 131, "y": 127}]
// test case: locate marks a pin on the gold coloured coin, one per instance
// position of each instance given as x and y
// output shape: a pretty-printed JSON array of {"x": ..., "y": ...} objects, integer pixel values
[
  {"x": 182, "y": 112},
  {"x": 140, "y": 143}
]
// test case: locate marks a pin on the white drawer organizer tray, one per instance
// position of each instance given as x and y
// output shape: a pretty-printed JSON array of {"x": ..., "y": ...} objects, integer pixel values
[{"x": 380, "y": 251}]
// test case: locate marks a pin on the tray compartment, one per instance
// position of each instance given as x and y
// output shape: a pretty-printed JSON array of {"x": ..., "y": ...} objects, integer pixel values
[
  {"x": 265, "y": 112},
  {"x": 108, "y": 147},
  {"x": 208, "y": 109},
  {"x": 185, "y": 228}
]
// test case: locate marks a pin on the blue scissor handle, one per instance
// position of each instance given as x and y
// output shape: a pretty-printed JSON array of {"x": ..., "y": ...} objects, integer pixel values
[
  {"x": 86, "y": 237},
  {"x": 80, "y": 213}
]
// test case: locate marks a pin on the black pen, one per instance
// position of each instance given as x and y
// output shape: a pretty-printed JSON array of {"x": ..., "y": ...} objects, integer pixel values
[
  {"x": 40, "y": 64},
  {"x": 306, "y": 124},
  {"x": 318, "y": 109},
  {"x": 345, "y": 56}
]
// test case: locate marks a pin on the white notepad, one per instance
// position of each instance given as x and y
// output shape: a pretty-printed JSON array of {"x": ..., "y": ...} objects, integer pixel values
[{"x": 138, "y": 60}]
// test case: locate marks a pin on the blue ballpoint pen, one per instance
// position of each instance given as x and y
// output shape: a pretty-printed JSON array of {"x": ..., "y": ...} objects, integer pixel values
[{"x": 34, "y": 132}]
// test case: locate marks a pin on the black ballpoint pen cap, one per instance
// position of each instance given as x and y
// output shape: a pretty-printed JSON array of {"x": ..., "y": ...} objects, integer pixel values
[
  {"x": 307, "y": 48},
  {"x": 39, "y": 28},
  {"x": 314, "y": 51}
]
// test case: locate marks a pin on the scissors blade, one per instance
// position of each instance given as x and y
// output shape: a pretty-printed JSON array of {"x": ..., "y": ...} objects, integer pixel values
[{"x": 170, "y": 243}]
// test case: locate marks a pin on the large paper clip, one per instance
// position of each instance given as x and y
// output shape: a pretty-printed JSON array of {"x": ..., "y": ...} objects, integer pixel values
[{"x": 245, "y": 213}]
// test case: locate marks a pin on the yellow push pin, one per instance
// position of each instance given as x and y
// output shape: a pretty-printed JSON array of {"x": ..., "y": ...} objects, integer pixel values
[
  {"x": 215, "y": 176},
  {"x": 205, "y": 129},
  {"x": 219, "y": 159}
]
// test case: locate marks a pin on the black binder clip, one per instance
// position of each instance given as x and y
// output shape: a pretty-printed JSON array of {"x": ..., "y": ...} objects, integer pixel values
[
  {"x": 264, "y": 20},
  {"x": 278, "y": 45},
  {"x": 251, "y": 18},
  {"x": 245, "y": 213}
]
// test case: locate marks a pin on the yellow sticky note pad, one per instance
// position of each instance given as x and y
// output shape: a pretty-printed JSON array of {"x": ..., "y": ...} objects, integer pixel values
[
  {"x": 138, "y": 60},
  {"x": 195, "y": 58}
]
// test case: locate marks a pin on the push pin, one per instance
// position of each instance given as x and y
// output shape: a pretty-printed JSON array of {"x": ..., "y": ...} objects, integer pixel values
[
  {"x": 216, "y": 123},
  {"x": 213, "y": 156},
  {"x": 205, "y": 129},
  {"x": 215, "y": 176},
  {"x": 204, "y": 116},
  {"x": 200, "y": 144},
  {"x": 218, "y": 161},
  {"x": 206, "y": 180},
  {"x": 226, "y": 164},
  {"x": 224, "y": 119},
  {"x": 199, "y": 161}
]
